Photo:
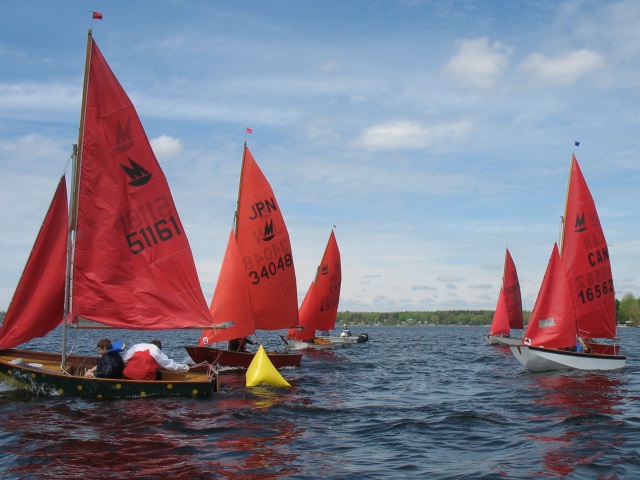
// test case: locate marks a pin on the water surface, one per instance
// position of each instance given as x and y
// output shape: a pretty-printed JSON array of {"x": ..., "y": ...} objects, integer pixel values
[{"x": 413, "y": 402}]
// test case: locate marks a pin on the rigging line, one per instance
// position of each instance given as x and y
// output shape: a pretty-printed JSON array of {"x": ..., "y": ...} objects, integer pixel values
[{"x": 69, "y": 160}]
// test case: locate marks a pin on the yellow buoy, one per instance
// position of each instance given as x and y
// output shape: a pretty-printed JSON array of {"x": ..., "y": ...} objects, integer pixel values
[{"x": 262, "y": 371}]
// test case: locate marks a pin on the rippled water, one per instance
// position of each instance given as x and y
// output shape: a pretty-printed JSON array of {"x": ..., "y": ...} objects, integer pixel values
[{"x": 413, "y": 402}]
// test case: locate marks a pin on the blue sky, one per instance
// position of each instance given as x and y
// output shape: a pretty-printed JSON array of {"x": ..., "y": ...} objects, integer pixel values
[{"x": 433, "y": 134}]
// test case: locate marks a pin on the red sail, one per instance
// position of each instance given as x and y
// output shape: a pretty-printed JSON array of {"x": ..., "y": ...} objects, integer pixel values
[
  {"x": 512, "y": 295},
  {"x": 133, "y": 263},
  {"x": 265, "y": 248},
  {"x": 308, "y": 317},
  {"x": 585, "y": 256},
  {"x": 552, "y": 323},
  {"x": 500, "y": 323},
  {"x": 319, "y": 308},
  {"x": 328, "y": 282},
  {"x": 230, "y": 303},
  {"x": 38, "y": 303}
]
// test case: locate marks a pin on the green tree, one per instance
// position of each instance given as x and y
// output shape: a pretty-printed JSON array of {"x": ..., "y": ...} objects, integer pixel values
[{"x": 629, "y": 310}]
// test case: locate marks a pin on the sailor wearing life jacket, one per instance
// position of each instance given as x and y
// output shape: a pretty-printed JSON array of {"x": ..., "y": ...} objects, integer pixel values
[{"x": 143, "y": 360}]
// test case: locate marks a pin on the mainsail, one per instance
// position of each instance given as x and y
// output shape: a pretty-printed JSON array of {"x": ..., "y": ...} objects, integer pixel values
[
  {"x": 256, "y": 287},
  {"x": 585, "y": 256},
  {"x": 265, "y": 248},
  {"x": 133, "y": 266}
]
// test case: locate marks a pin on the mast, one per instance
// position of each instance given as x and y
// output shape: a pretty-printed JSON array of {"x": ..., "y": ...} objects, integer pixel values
[
  {"x": 235, "y": 220},
  {"x": 73, "y": 204},
  {"x": 563, "y": 220},
  {"x": 504, "y": 267}
]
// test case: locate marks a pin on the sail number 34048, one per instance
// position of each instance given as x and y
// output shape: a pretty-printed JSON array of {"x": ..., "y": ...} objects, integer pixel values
[{"x": 270, "y": 269}]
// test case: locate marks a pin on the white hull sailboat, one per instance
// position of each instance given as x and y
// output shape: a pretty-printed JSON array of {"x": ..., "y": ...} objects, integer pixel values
[
  {"x": 576, "y": 302},
  {"x": 500, "y": 340},
  {"x": 539, "y": 359}
]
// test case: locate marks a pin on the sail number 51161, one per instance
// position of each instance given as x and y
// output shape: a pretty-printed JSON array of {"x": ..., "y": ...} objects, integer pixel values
[{"x": 161, "y": 231}]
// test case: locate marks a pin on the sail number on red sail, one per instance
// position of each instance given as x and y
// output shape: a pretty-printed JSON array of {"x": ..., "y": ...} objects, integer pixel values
[
  {"x": 273, "y": 259},
  {"x": 594, "y": 285},
  {"x": 331, "y": 301},
  {"x": 328, "y": 302},
  {"x": 149, "y": 224}
]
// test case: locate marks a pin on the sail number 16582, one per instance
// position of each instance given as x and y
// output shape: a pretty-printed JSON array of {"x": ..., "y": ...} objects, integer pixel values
[{"x": 597, "y": 291}]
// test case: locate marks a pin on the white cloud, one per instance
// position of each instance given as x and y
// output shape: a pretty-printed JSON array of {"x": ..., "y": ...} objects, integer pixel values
[
  {"x": 165, "y": 146},
  {"x": 407, "y": 134},
  {"x": 564, "y": 69},
  {"x": 478, "y": 64},
  {"x": 47, "y": 100}
]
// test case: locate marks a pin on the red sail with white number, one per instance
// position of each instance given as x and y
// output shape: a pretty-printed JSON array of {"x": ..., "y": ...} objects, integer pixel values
[
  {"x": 265, "y": 250},
  {"x": 585, "y": 255},
  {"x": 133, "y": 266}
]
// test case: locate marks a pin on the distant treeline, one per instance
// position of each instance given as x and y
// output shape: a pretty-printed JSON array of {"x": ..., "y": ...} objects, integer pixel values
[
  {"x": 440, "y": 317},
  {"x": 627, "y": 313}
]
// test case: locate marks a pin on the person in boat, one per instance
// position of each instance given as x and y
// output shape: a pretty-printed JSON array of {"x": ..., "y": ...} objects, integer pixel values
[
  {"x": 345, "y": 331},
  {"x": 582, "y": 344},
  {"x": 239, "y": 344},
  {"x": 143, "y": 360},
  {"x": 110, "y": 363}
]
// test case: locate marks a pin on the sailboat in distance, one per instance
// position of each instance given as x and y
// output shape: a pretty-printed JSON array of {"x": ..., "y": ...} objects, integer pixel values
[
  {"x": 576, "y": 303},
  {"x": 508, "y": 314},
  {"x": 120, "y": 257},
  {"x": 320, "y": 305},
  {"x": 319, "y": 309},
  {"x": 256, "y": 288}
]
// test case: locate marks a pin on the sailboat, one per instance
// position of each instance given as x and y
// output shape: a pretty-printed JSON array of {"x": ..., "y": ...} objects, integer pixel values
[
  {"x": 256, "y": 287},
  {"x": 508, "y": 314},
  {"x": 576, "y": 302},
  {"x": 119, "y": 257},
  {"x": 319, "y": 308}
]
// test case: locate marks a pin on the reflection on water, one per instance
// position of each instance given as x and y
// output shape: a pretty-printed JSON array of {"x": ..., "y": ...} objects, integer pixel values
[
  {"x": 62, "y": 438},
  {"x": 581, "y": 405}
]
